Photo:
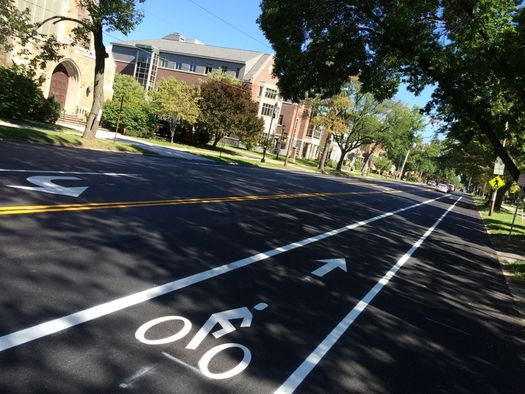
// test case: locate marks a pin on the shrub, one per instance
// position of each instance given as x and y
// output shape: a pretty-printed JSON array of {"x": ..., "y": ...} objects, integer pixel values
[
  {"x": 21, "y": 98},
  {"x": 136, "y": 117}
]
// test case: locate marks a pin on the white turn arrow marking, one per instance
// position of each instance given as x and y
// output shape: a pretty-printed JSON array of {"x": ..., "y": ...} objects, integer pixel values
[
  {"x": 45, "y": 185},
  {"x": 330, "y": 264}
]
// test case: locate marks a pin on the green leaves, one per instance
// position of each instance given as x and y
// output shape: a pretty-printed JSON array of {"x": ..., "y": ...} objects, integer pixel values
[
  {"x": 136, "y": 117},
  {"x": 227, "y": 109},
  {"x": 176, "y": 101},
  {"x": 470, "y": 51}
]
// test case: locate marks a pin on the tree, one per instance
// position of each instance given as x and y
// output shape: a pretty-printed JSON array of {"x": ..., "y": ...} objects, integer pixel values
[
  {"x": 102, "y": 16},
  {"x": 227, "y": 108},
  {"x": 404, "y": 124},
  {"x": 136, "y": 114},
  {"x": 352, "y": 117},
  {"x": 16, "y": 28},
  {"x": 219, "y": 75},
  {"x": 470, "y": 51},
  {"x": 382, "y": 163},
  {"x": 176, "y": 101}
]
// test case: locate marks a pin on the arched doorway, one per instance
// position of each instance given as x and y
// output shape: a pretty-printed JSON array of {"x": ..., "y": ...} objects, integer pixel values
[
  {"x": 65, "y": 86},
  {"x": 59, "y": 85}
]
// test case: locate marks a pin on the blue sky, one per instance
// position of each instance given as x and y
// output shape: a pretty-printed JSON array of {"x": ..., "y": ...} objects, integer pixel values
[{"x": 227, "y": 23}]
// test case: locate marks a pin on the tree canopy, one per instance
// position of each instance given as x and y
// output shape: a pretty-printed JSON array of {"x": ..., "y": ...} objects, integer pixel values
[
  {"x": 470, "y": 51},
  {"x": 136, "y": 115},
  {"x": 227, "y": 108},
  {"x": 176, "y": 101}
]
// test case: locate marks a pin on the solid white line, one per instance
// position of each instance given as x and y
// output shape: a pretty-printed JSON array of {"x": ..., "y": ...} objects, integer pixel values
[
  {"x": 68, "y": 172},
  {"x": 184, "y": 364},
  {"x": 62, "y": 323},
  {"x": 297, "y": 376}
]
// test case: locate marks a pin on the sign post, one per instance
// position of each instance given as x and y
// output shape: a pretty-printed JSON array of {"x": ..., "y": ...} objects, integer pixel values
[{"x": 521, "y": 183}]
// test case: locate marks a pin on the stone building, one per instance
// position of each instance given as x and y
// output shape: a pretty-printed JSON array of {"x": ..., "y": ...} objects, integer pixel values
[{"x": 70, "y": 80}]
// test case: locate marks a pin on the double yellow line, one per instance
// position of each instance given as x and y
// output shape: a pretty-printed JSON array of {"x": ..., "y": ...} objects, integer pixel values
[{"x": 29, "y": 209}]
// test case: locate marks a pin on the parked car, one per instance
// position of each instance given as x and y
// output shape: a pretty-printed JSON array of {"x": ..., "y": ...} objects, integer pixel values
[
  {"x": 450, "y": 187},
  {"x": 162, "y": 129},
  {"x": 431, "y": 183},
  {"x": 442, "y": 187}
]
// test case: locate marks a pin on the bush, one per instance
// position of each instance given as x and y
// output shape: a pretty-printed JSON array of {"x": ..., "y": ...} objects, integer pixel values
[
  {"x": 136, "y": 117},
  {"x": 47, "y": 111},
  {"x": 21, "y": 98}
]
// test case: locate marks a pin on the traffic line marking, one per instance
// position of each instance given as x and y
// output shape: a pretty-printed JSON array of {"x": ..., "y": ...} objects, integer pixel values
[
  {"x": 41, "y": 330},
  {"x": 29, "y": 209},
  {"x": 298, "y": 376},
  {"x": 69, "y": 172}
]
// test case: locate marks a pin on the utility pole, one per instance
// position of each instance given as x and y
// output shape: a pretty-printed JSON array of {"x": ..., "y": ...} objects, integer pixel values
[
  {"x": 263, "y": 160},
  {"x": 118, "y": 118},
  {"x": 405, "y": 161},
  {"x": 291, "y": 141}
]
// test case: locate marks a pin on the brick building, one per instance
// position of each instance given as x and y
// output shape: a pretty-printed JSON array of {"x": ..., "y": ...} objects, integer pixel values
[{"x": 190, "y": 60}]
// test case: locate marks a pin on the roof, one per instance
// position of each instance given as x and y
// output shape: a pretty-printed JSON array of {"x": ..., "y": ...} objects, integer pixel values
[{"x": 198, "y": 50}]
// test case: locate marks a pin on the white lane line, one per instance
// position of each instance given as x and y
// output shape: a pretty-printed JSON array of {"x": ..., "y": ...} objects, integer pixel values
[
  {"x": 128, "y": 383},
  {"x": 68, "y": 172},
  {"x": 448, "y": 326},
  {"x": 63, "y": 323},
  {"x": 298, "y": 376},
  {"x": 184, "y": 364}
]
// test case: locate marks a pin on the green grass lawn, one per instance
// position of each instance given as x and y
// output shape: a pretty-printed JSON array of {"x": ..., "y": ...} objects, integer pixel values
[
  {"x": 499, "y": 225},
  {"x": 62, "y": 139}
]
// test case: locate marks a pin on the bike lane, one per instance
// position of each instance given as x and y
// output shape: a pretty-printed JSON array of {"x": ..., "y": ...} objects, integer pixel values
[{"x": 289, "y": 311}]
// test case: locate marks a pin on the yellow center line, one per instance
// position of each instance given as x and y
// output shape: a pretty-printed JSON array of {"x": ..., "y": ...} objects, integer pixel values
[{"x": 28, "y": 209}]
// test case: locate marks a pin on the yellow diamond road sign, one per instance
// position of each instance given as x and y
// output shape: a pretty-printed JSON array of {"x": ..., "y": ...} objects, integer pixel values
[{"x": 497, "y": 182}]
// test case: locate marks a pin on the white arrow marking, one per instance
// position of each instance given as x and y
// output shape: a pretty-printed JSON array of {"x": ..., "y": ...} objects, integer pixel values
[
  {"x": 45, "y": 185},
  {"x": 330, "y": 264}
]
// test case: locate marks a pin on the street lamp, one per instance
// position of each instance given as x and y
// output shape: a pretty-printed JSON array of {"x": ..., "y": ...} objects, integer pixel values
[
  {"x": 275, "y": 106},
  {"x": 405, "y": 161}
]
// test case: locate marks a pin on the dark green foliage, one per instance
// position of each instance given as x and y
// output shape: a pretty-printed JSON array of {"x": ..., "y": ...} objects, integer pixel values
[
  {"x": 137, "y": 117},
  {"x": 470, "y": 51},
  {"x": 21, "y": 98},
  {"x": 227, "y": 109}
]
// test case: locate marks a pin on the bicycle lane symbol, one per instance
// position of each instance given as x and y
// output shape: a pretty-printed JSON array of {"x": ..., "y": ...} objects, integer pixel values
[{"x": 223, "y": 319}]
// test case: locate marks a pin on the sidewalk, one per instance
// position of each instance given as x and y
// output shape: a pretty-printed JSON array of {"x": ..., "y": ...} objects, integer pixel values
[
  {"x": 165, "y": 151},
  {"x": 517, "y": 290}
]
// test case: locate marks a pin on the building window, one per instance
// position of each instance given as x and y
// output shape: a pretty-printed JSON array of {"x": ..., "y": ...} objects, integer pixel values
[
  {"x": 237, "y": 72},
  {"x": 163, "y": 62},
  {"x": 178, "y": 66},
  {"x": 270, "y": 93},
  {"x": 267, "y": 109},
  {"x": 193, "y": 67},
  {"x": 281, "y": 117},
  {"x": 208, "y": 69},
  {"x": 224, "y": 69},
  {"x": 317, "y": 133},
  {"x": 310, "y": 132},
  {"x": 260, "y": 91},
  {"x": 146, "y": 68}
]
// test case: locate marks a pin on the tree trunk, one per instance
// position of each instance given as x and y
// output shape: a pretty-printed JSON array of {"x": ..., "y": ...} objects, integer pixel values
[
  {"x": 325, "y": 151},
  {"x": 366, "y": 164},
  {"x": 341, "y": 161},
  {"x": 500, "y": 195},
  {"x": 217, "y": 138},
  {"x": 90, "y": 130}
]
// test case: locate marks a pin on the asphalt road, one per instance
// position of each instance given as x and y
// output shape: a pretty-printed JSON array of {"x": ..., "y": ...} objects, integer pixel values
[{"x": 168, "y": 275}]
